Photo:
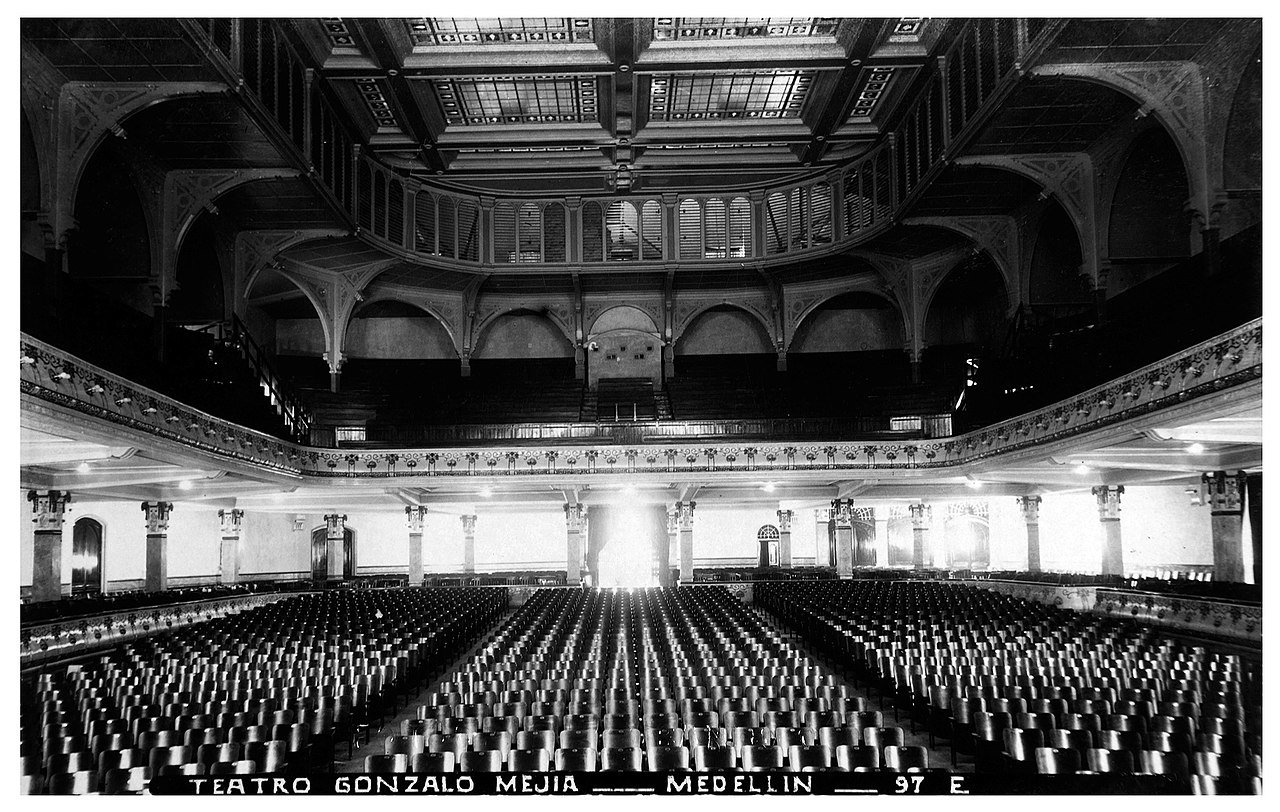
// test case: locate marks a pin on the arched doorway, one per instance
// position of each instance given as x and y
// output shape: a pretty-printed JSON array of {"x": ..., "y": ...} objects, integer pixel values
[
  {"x": 320, "y": 554},
  {"x": 768, "y": 538},
  {"x": 86, "y": 557}
]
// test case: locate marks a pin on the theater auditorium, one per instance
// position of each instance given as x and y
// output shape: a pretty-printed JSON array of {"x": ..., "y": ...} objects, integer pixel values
[{"x": 788, "y": 403}]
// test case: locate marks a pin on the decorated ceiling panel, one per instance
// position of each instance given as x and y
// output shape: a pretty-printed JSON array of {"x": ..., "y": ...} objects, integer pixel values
[
  {"x": 428, "y": 32},
  {"x": 737, "y": 95},
  {"x": 476, "y": 100},
  {"x": 729, "y": 28}
]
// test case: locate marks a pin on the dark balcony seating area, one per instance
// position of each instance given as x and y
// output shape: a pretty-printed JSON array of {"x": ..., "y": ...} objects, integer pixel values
[{"x": 81, "y": 606}]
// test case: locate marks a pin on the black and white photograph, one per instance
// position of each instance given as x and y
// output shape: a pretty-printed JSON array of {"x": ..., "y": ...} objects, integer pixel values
[{"x": 639, "y": 406}]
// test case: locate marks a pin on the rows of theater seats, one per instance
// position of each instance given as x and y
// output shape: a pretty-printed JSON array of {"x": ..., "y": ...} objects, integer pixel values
[
  {"x": 104, "y": 603},
  {"x": 268, "y": 690},
  {"x": 1024, "y": 687},
  {"x": 653, "y": 679}
]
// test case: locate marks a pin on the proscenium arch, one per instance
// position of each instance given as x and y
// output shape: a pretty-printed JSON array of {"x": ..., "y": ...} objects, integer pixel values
[
  {"x": 869, "y": 290},
  {"x": 423, "y": 306},
  {"x": 483, "y": 326},
  {"x": 766, "y": 327}
]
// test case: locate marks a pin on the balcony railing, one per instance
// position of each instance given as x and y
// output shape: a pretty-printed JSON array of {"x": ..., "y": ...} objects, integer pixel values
[
  {"x": 829, "y": 211},
  {"x": 1222, "y": 366}
]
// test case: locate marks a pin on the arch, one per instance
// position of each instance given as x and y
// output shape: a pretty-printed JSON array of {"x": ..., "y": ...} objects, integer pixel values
[
  {"x": 478, "y": 331},
  {"x": 1242, "y": 140},
  {"x": 1146, "y": 209},
  {"x": 88, "y": 561},
  {"x": 627, "y": 317},
  {"x": 973, "y": 264},
  {"x": 320, "y": 542},
  {"x": 485, "y": 331},
  {"x": 97, "y": 111},
  {"x": 425, "y": 307},
  {"x": 118, "y": 231},
  {"x": 1173, "y": 92},
  {"x": 1000, "y": 237},
  {"x": 199, "y": 276},
  {"x": 866, "y": 290},
  {"x": 766, "y": 327},
  {"x": 1055, "y": 253},
  {"x": 306, "y": 291},
  {"x": 967, "y": 541}
]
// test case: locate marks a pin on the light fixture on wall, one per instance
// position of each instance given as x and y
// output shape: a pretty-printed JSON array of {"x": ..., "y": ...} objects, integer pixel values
[
  {"x": 1083, "y": 470},
  {"x": 1195, "y": 448},
  {"x": 84, "y": 468}
]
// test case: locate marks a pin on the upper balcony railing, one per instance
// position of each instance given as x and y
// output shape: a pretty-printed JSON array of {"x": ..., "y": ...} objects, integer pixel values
[
  {"x": 828, "y": 211},
  {"x": 1229, "y": 361}
]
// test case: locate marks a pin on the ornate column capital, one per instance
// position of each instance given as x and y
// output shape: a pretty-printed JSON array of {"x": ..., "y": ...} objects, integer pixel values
[
  {"x": 842, "y": 511},
  {"x": 784, "y": 520},
  {"x": 921, "y": 515},
  {"x": 1030, "y": 506},
  {"x": 469, "y": 524},
  {"x": 231, "y": 521},
  {"x": 1108, "y": 497},
  {"x": 1223, "y": 492},
  {"x": 48, "y": 508},
  {"x": 684, "y": 514},
  {"x": 575, "y": 517},
  {"x": 157, "y": 516},
  {"x": 335, "y": 524},
  {"x": 414, "y": 515}
]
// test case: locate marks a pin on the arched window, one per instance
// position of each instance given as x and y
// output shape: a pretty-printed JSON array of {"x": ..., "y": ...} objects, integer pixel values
[
  {"x": 690, "y": 229},
  {"x": 529, "y": 233},
  {"x": 379, "y": 205},
  {"x": 820, "y": 220},
  {"x": 714, "y": 244},
  {"x": 622, "y": 223},
  {"x": 395, "y": 212},
  {"x": 504, "y": 233},
  {"x": 424, "y": 223},
  {"x": 592, "y": 233},
  {"x": 651, "y": 230},
  {"x": 553, "y": 233}
]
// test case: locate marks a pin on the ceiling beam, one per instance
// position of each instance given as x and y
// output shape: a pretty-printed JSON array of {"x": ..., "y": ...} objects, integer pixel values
[{"x": 415, "y": 125}]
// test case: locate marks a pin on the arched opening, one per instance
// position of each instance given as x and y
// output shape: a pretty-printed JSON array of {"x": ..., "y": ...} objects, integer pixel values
[
  {"x": 86, "y": 557},
  {"x": 624, "y": 343},
  {"x": 768, "y": 538},
  {"x": 724, "y": 341},
  {"x": 1056, "y": 285},
  {"x": 285, "y": 322},
  {"x": 320, "y": 554},
  {"x": 200, "y": 293},
  {"x": 856, "y": 338},
  {"x": 112, "y": 242},
  {"x": 967, "y": 536},
  {"x": 623, "y": 542},
  {"x": 1148, "y": 226},
  {"x": 1242, "y": 155}
]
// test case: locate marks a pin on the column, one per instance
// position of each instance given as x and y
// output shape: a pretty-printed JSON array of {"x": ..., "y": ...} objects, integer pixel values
[
  {"x": 414, "y": 516},
  {"x": 1109, "y": 515},
  {"x": 684, "y": 518},
  {"x": 232, "y": 524},
  {"x": 921, "y": 519},
  {"x": 1224, "y": 494},
  {"x": 48, "y": 509},
  {"x": 784, "y": 538},
  {"x": 882, "y": 538},
  {"x": 157, "y": 578},
  {"x": 335, "y": 532},
  {"x": 575, "y": 515},
  {"x": 673, "y": 545},
  {"x": 469, "y": 543},
  {"x": 842, "y": 514},
  {"x": 1030, "y": 506}
]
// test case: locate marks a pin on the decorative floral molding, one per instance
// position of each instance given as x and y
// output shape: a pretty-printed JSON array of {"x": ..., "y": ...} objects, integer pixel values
[
  {"x": 1226, "y": 361},
  {"x": 67, "y": 637}
]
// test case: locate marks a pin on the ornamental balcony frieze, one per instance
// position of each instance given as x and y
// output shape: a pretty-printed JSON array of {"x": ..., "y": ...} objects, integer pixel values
[
  {"x": 51, "y": 376},
  {"x": 68, "y": 637}
]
